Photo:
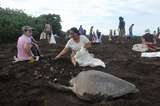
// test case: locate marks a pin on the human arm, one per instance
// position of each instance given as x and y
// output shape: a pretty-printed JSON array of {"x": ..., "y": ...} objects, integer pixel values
[
  {"x": 63, "y": 52},
  {"x": 87, "y": 45},
  {"x": 27, "y": 48},
  {"x": 34, "y": 41}
]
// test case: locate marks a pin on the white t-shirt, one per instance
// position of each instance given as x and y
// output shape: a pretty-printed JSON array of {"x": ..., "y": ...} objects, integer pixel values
[{"x": 77, "y": 46}]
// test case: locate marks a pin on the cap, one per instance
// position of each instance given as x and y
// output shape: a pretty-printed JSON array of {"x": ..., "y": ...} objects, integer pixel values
[{"x": 26, "y": 28}]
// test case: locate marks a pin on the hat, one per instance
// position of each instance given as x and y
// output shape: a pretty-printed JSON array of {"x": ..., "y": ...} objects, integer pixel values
[
  {"x": 147, "y": 31},
  {"x": 26, "y": 28}
]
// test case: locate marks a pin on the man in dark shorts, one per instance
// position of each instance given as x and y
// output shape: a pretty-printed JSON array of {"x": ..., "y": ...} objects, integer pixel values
[
  {"x": 121, "y": 29},
  {"x": 149, "y": 40},
  {"x": 91, "y": 33},
  {"x": 131, "y": 31}
]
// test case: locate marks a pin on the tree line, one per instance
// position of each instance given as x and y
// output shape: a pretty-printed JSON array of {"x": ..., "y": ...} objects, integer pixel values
[{"x": 11, "y": 21}]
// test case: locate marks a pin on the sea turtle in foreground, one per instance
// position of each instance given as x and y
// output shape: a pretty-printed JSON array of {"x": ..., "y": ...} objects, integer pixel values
[{"x": 94, "y": 85}]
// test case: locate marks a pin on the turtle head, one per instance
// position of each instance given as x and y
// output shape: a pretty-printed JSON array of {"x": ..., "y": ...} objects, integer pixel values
[{"x": 72, "y": 81}]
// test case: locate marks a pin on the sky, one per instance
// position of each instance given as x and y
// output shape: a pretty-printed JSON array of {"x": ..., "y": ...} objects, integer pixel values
[{"x": 102, "y": 14}]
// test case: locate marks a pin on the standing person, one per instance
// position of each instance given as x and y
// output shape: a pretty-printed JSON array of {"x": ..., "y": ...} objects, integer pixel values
[
  {"x": 84, "y": 32},
  {"x": 75, "y": 43},
  {"x": 110, "y": 34},
  {"x": 158, "y": 33},
  {"x": 26, "y": 50},
  {"x": 154, "y": 33},
  {"x": 94, "y": 37},
  {"x": 97, "y": 33},
  {"x": 100, "y": 37},
  {"x": 91, "y": 33},
  {"x": 48, "y": 30},
  {"x": 131, "y": 31},
  {"x": 115, "y": 33},
  {"x": 81, "y": 31},
  {"x": 121, "y": 28},
  {"x": 158, "y": 30}
]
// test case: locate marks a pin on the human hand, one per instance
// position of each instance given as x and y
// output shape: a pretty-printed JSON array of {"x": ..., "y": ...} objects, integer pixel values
[
  {"x": 57, "y": 57},
  {"x": 87, "y": 45}
]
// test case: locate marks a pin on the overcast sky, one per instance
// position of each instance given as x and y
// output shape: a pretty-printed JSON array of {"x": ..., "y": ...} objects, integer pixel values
[{"x": 102, "y": 14}]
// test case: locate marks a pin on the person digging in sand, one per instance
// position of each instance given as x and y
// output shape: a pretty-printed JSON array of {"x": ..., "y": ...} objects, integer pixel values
[
  {"x": 149, "y": 40},
  {"x": 75, "y": 43},
  {"x": 26, "y": 46}
]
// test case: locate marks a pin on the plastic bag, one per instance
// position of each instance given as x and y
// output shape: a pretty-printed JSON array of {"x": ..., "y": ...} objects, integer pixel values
[
  {"x": 140, "y": 48},
  {"x": 52, "y": 40},
  {"x": 43, "y": 36},
  {"x": 151, "y": 54},
  {"x": 85, "y": 59}
]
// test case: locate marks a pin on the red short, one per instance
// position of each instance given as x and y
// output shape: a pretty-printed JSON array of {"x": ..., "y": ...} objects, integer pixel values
[{"x": 151, "y": 46}]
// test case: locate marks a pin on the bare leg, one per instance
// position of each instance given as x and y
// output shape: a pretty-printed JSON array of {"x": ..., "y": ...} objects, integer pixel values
[{"x": 152, "y": 49}]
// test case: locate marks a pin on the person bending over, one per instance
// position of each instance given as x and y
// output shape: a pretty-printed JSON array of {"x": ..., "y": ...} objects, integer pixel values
[
  {"x": 75, "y": 43},
  {"x": 25, "y": 47},
  {"x": 149, "y": 40}
]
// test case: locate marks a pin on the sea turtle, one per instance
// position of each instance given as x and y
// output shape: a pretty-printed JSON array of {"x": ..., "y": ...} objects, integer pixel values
[{"x": 94, "y": 85}]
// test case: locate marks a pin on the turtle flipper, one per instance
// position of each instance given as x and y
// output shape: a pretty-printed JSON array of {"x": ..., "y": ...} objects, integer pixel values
[{"x": 60, "y": 87}]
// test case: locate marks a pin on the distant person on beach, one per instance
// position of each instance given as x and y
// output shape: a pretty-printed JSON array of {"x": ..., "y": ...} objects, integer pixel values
[
  {"x": 91, "y": 33},
  {"x": 81, "y": 31},
  {"x": 155, "y": 34},
  {"x": 94, "y": 37},
  {"x": 84, "y": 32},
  {"x": 115, "y": 33},
  {"x": 158, "y": 30},
  {"x": 158, "y": 33},
  {"x": 149, "y": 40},
  {"x": 27, "y": 47},
  {"x": 110, "y": 34},
  {"x": 98, "y": 34},
  {"x": 131, "y": 31},
  {"x": 75, "y": 43},
  {"x": 121, "y": 28},
  {"x": 48, "y": 30}
]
